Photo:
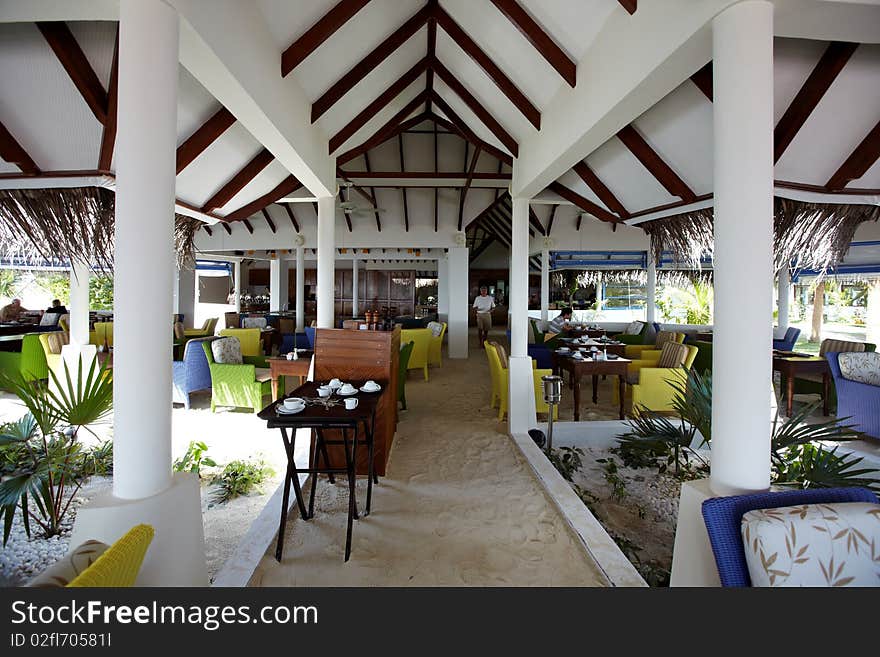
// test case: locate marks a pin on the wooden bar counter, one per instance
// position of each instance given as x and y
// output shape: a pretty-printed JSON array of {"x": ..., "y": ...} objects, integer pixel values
[{"x": 359, "y": 356}]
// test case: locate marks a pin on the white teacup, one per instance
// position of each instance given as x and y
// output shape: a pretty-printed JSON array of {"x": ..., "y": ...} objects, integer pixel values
[
  {"x": 324, "y": 391},
  {"x": 290, "y": 356},
  {"x": 335, "y": 383},
  {"x": 347, "y": 389},
  {"x": 371, "y": 385},
  {"x": 351, "y": 403},
  {"x": 292, "y": 403},
  {"x": 577, "y": 355}
]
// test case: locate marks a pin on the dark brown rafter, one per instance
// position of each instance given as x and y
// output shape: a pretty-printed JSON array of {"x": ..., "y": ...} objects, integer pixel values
[
  {"x": 293, "y": 221},
  {"x": 833, "y": 60},
  {"x": 12, "y": 152},
  {"x": 540, "y": 40},
  {"x": 655, "y": 164},
  {"x": 226, "y": 228},
  {"x": 488, "y": 240},
  {"x": 577, "y": 225},
  {"x": 535, "y": 222},
  {"x": 108, "y": 136},
  {"x": 269, "y": 221},
  {"x": 247, "y": 224},
  {"x": 403, "y": 189},
  {"x": 605, "y": 195},
  {"x": 469, "y": 46},
  {"x": 360, "y": 70},
  {"x": 372, "y": 195},
  {"x": 703, "y": 80},
  {"x": 431, "y": 55},
  {"x": 377, "y": 105},
  {"x": 584, "y": 204},
  {"x": 629, "y": 5},
  {"x": 467, "y": 184},
  {"x": 456, "y": 124},
  {"x": 318, "y": 33},
  {"x": 208, "y": 230},
  {"x": 390, "y": 129},
  {"x": 67, "y": 50},
  {"x": 203, "y": 137},
  {"x": 476, "y": 107},
  {"x": 552, "y": 217},
  {"x": 260, "y": 161},
  {"x": 858, "y": 163},
  {"x": 436, "y": 191},
  {"x": 285, "y": 187},
  {"x": 425, "y": 175}
]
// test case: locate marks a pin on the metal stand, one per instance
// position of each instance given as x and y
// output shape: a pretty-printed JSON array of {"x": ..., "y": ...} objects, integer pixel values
[{"x": 552, "y": 386}]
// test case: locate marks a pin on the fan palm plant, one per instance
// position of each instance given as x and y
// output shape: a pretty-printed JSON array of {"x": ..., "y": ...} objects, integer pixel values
[{"x": 55, "y": 467}]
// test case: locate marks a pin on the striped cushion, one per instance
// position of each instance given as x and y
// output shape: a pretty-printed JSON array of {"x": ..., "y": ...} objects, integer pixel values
[
  {"x": 672, "y": 355},
  {"x": 58, "y": 340},
  {"x": 663, "y": 337},
  {"x": 502, "y": 354},
  {"x": 829, "y": 346},
  {"x": 179, "y": 331}
]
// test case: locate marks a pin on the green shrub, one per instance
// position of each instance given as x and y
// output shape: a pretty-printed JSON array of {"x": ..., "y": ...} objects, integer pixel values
[
  {"x": 194, "y": 459},
  {"x": 239, "y": 478}
]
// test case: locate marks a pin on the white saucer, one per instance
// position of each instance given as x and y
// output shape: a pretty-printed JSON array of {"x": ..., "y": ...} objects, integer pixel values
[
  {"x": 376, "y": 389},
  {"x": 287, "y": 411},
  {"x": 346, "y": 394}
]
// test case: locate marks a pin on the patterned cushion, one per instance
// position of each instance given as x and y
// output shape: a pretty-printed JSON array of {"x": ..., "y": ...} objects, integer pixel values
[
  {"x": 57, "y": 340},
  {"x": 63, "y": 571},
  {"x": 779, "y": 332},
  {"x": 253, "y": 322},
  {"x": 502, "y": 354},
  {"x": 49, "y": 319},
  {"x": 227, "y": 351},
  {"x": 436, "y": 328},
  {"x": 813, "y": 545},
  {"x": 673, "y": 354},
  {"x": 829, "y": 345},
  {"x": 862, "y": 367},
  {"x": 179, "y": 331},
  {"x": 665, "y": 336},
  {"x": 634, "y": 328}
]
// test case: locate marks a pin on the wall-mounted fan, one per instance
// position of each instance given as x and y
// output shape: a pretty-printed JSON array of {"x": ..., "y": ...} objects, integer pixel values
[{"x": 344, "y": 202}]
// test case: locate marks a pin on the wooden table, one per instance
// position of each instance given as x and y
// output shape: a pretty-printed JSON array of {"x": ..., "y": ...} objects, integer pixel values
[
  {"x": 791, "y": 366},
  {"x": 616, "y": 348},
  {"x": 588, "y": 367},
  {"x": 279, "y": 366},
  {"x": 320, "y": 417}
]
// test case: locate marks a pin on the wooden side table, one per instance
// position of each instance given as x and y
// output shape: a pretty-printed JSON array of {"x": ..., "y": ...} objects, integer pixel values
[
  {"x": 792, "y": 366},
  {"x": 279, "y": 366},
  {"x": 588, "y": 367}
]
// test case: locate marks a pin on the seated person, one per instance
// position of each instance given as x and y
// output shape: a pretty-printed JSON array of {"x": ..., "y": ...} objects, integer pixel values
[
  {"x": 57, "y": 308},
  {"x": 558, "y": 325},
  {"x": 12, "y": 311}
]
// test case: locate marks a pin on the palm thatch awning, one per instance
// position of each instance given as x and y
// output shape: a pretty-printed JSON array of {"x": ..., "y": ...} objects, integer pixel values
[
  {"x": 808, "y": 235},
  {"x": 74, "y": 223}
]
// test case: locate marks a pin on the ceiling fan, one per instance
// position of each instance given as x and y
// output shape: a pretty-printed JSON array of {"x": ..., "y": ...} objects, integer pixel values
[{"x": 350, "y": 207}]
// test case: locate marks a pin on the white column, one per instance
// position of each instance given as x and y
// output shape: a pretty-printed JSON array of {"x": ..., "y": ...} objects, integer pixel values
[
  {"x": 186, "y": 295},
  {"x": 278, "y": 297},
  {"x": 651, "y": 291},
  {"x": 354, "y": 287},
  {"x": 79, "y": 303},
  {"x": 743, "y": 175},
  {"x": 457, "y": 325},
  {"x": 300, "y": 291},
  {"x": 144, "y": 260},
  {"x": 545, "y": 285},
  {"x": 521, "y": 394},
  {"x": 784, "y": 292},
  {"x": 236, "y": 285},
  {"x": 443, "y": 289},
  {"x": 326, "y": 259}
]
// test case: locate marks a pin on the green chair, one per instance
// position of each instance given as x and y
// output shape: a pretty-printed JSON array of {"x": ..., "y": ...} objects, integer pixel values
[
  {"x": 30, "y": 362},
  {"x": 703, "y": 361},
  {"x": 405, "y": 353},
  {"x": 241, "y": 386}
]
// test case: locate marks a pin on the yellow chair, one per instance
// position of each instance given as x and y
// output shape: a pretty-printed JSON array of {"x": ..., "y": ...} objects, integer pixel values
[
  {"x": 251, "y": 344},
  {"x": 500, "y": 379},
  {"x": 435, "y": 348},
  {"x": 636, "y": 351},
  {"x": 206, "y": 331},
  {"x": 652, "y": 390},
  {"x": 102, "y": 331},
  {"x": 418, "y": 360},
  {"x": 119, "y": 565}
]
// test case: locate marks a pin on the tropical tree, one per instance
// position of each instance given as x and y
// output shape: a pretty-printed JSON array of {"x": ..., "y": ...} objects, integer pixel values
[{"x": 8, "y": 283}]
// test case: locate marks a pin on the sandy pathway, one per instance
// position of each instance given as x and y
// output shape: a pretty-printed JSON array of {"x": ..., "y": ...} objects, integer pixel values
[{"x": 459, "y": 506}]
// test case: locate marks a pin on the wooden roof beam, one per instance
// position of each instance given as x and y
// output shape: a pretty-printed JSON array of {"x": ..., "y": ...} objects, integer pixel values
[
  {"x": 831, "y": 63},
  {"x": 269, "y": 221},
  {"x": 655, "y": 164},
  {"x": 318, "y": 33},
  {"x": 540, "y": 40},
  {"x": 629, "y": 5},
  {"x": 285, "y": 187},
  {"x": 204, "y": 136},
  {"x": 360, "y": 70},
  {"x": 467, "y": 184},
  {"x": 858, "y": 163},
  {"x": 605, "y": 195},
  {"x": 456, "y": 124},
  {"x": 11, "y": 151},
  {"x": 292, "y": 216},
  {"x": 250, "y": 170},
  {"x": 372, "y": 194},
  {"x": 403, "y": 189},
  {"x": 703, "y": 80},
  {"x": 535, "y": 222},
  {"x": 391, "y": 128},
  {"x": 108, "y": 136},
  {"x": 73, "y": 59},
  {"x": 553, "y": 209},
  {"x": 584, "y": 204},
  {"x": 504, "y": 83}
]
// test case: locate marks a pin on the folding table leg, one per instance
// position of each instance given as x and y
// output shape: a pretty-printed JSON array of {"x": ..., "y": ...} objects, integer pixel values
[{"x": 351, "y": 500}]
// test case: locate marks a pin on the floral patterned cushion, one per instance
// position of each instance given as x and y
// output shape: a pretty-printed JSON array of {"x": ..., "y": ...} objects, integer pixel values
[
  {"x": 633, "y": 329},
  {"x": 253, "y": 322},
  {"x": 66, "y": 569},
  {"x": 862, "y": 367},
  {"x": 227, "y": 351},
  {"x": 813, "y": 545}
]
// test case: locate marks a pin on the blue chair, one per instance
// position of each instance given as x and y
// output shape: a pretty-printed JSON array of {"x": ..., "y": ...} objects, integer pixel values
[
  {"x": 539, "y": 353},
  {"x": 191, "y": 373},
  {"x": 858, "y": 404},
  {"x": 310, "y": 336},
  {"x": 787, "y": 343},
  {"x": 291, "y": 340},
  {"x": 723, "y": 518}
]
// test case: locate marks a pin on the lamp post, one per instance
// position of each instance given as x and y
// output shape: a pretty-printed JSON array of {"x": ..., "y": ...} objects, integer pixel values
[{"x": 552, "y": 387}]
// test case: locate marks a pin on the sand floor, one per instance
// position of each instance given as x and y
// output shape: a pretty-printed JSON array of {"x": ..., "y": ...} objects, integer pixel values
[{"x": 459, "y": 507}]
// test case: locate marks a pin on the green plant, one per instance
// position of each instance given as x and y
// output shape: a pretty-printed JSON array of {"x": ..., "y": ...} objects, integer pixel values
[
  {"x": 618, "y": 485},
  {"x": 45, "y": 483},
  {"x": 8, "y": 283},
  {"x": 195, "y": 457},
  {"x": 101, "y": 293},
  {"x": 239, "y": 478},
  {"x": 58, "y": 285},
  {"x": 567, "y": 460},
  {"x": 99, "y": 459}
]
